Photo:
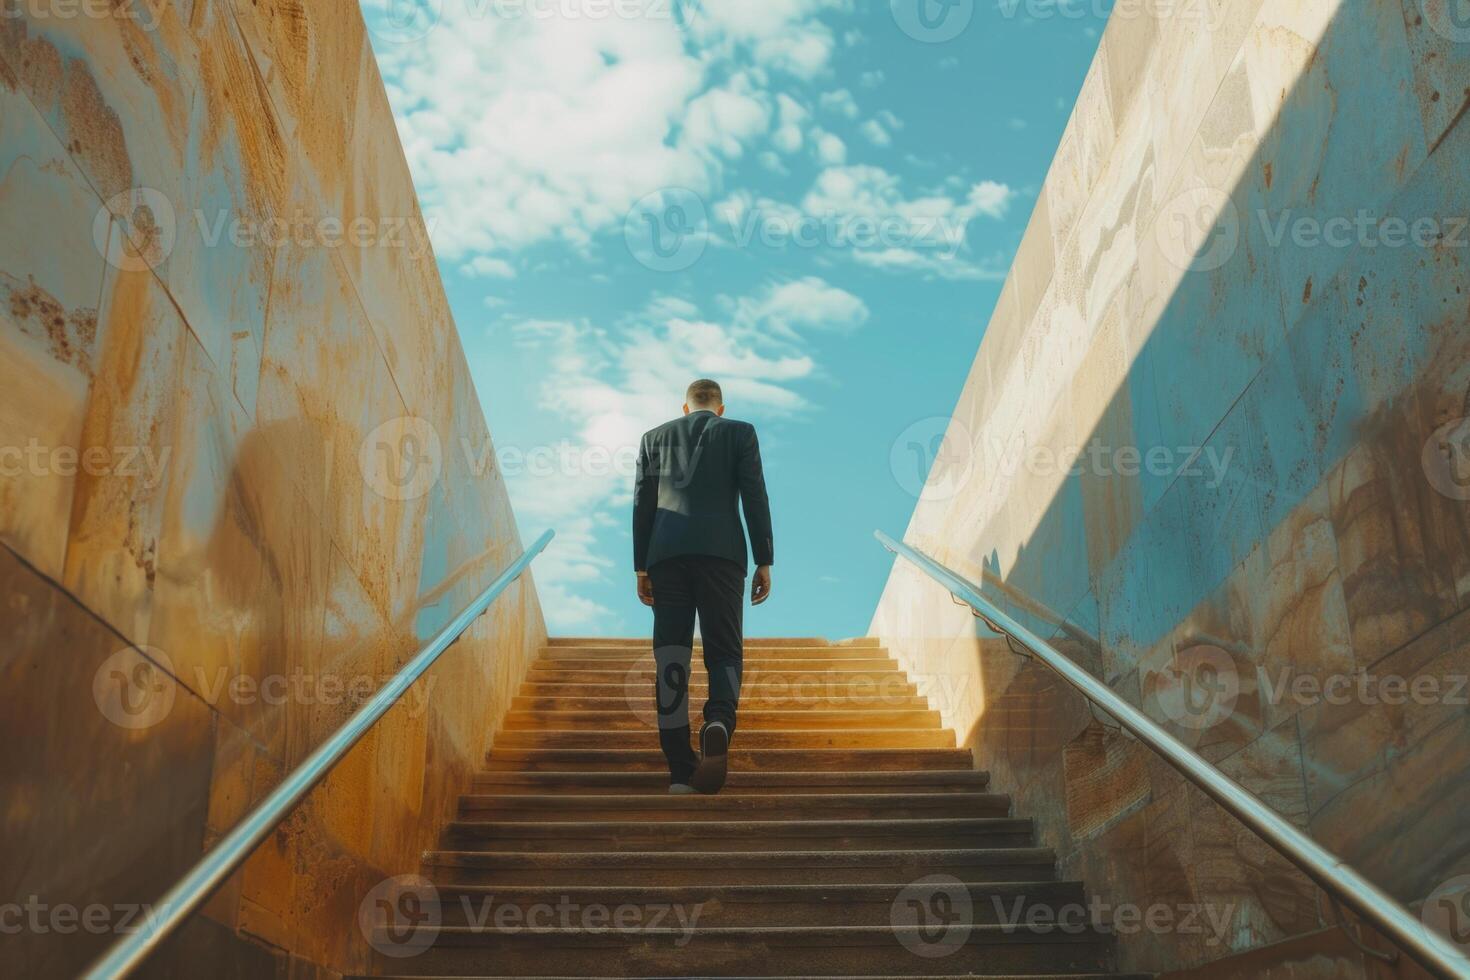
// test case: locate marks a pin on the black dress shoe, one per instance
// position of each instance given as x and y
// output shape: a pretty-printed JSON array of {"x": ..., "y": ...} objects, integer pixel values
[{"x": 714, "y": 744}]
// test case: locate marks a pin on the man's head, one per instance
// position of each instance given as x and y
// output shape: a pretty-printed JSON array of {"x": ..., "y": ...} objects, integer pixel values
[{"x": 704, "y": 395}]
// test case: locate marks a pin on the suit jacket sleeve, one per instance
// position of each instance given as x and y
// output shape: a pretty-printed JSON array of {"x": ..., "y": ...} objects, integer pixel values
[
  {"x": 757, "y": 505},
  {"x": 645, "y": 505}
]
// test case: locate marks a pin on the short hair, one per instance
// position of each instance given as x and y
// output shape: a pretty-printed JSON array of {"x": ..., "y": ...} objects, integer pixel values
[{"x": 705, "y": 392}]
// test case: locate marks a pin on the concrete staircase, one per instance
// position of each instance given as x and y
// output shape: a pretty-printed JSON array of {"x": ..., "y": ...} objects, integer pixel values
[{"x": 852, "y": 838}]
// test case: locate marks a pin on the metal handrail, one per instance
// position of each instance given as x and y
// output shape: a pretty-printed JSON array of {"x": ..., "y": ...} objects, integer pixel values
[
  {"x": 1390, "y": 918},
  {"x": 192, "y": 890}
]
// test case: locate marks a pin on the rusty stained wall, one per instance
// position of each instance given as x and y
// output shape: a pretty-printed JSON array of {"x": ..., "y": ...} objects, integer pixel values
[
  {"x": 228, "y": 528},
  {"x": 1152, "y": 304}
]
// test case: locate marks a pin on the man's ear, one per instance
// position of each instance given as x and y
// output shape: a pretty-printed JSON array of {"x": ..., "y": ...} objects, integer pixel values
[
  {"x": 686, "y": 408},
  {"x": 720, "y": 410}
]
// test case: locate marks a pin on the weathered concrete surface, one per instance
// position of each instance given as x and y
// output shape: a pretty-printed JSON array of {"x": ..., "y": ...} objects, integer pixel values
[
  {"x": 1153, "y": 304},
  {"x": 225, "y": 372}
]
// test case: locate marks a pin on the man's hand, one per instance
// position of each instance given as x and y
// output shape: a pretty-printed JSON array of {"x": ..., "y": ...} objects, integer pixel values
[
  {"x": 760, "y": 585},
  {"x": 645, "y": 589}
]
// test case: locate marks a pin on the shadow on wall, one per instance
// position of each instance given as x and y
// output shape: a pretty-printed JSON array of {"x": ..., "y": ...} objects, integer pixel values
[
  {"x": 1308, "y": 391},
  {"x": 122, "y": 764}
]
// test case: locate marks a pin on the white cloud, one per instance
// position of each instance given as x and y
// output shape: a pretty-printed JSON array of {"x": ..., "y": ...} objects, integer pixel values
[
  {"x": 723, "y": 120},
  {"x": 831, "y": 151},
  {"x": 793, "y": 115},
  {"x": 521, "y": 130},
  {"x": 874, "y": 193},
  {"x": 771, "y": 160},
  {"x": 884, "y": 228},
  {"x": 930, "y": 263},
  {"x": 780, "y": 35},
  {"x": 876, "y": 134},
  {"x": 483, "y": 265},
  {"x": 841, "y": 102},
  {"x": 573, "y": 558},
  {"x": 804, "y": 303},
  {"x": 991, "y": 198},
  {"x": 872, "y": 79}
]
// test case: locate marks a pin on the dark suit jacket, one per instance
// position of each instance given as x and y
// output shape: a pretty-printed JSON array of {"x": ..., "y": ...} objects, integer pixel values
[{"x": 690, "y": 472}]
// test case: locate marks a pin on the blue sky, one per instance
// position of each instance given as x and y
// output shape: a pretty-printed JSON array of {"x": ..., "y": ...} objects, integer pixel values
[{"x": 837, "y": 188}]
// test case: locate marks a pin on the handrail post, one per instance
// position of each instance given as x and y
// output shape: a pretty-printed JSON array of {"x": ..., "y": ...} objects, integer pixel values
[
  {"x": 192, "y": 890},
  {"x": 1386, "y": 915}
]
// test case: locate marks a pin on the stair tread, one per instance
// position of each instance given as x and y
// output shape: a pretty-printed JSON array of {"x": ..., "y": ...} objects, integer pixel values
[
  {"x": 767, "y": 826},
  {"x": 622, "y": 710},
  {"x": 763, "y": 731},
  {"x": 708, "y": 859},
  {"x": 869, "y": 935},
  {"x": 735, "y": 755},
  {"x": 845, "y": 791},
  {"x": 742, "y": 778},
  {"x": 815, "y": 758},
  {"x": 752, "y": 737},
  {"x": 748, "y": 806},
  {"x": 615, "y": 697},
  {"x": 749, "y": 641},
  {"x": 790, "y": 891},
  {"x": 754, "y": 669}
]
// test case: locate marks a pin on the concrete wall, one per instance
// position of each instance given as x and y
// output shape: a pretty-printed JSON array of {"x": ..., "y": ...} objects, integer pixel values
[
  {"x": 1322, "y": 530},
  {"x": 211, "y": 549}
]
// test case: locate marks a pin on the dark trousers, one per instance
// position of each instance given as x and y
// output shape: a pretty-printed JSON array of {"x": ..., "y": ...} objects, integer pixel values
[{"x": 714, "y": 590}]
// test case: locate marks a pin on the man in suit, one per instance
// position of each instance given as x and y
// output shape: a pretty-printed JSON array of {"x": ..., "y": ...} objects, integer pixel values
[{"x": 694, "y": 475}]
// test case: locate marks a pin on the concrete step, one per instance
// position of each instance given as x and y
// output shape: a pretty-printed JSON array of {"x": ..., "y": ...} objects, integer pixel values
[
  {"x": 740, "y": 783},
  {"x": 741, "y": 759},
  {"x": 808, "y": 691},
  {"x": 750, "y": 642},
  {"x": 626, "y": 718},
  {"x": 619, "y": 699},
  {"x": 731, "y": 805},
  {"x": 446, "y": 867},
  {"x": 697, "y": 670},
  {"x": 738, "y": 835},
  {"x": 756, "y": 670},
  {"x": 928, "y": 976},
  {"x": 745, "y": 739},
  {"x": 759, "y": 905},
  {"x": 764, "y": 951},
  {"x": 751, "y": 654},
  {"x": 846, "y": 794}
]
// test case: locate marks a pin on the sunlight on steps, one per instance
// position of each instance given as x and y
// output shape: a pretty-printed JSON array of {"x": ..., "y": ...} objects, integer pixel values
[{"x": 853, "y": 837}]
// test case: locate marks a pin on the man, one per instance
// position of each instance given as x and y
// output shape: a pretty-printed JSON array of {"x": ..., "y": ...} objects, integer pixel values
[{"x": 689, "y": 553}]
